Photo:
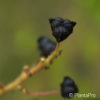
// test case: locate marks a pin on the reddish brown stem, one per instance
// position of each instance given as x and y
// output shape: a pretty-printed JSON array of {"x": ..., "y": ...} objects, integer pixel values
[{"x": 43, "y": 93}]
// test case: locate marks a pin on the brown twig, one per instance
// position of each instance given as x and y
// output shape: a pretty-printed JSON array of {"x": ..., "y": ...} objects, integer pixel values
[
  {"x": 43, "y": 93},
  {"x": 31, "y": 93},
  {"x": 27, "y": 72}
]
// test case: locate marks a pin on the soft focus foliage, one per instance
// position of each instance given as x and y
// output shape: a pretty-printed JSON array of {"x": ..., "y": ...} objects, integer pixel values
[{"x": 23, "y": 21}]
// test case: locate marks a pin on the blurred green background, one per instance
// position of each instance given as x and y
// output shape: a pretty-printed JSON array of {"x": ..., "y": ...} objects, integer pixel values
[{"x": 23, "y": 21}]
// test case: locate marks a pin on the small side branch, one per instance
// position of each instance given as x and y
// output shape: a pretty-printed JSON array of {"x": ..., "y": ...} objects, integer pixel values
[
  {"x": 43, "y": 93},
  {"x": 31, "y": 93}
]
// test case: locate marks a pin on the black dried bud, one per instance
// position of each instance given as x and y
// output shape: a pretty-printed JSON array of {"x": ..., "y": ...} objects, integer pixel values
[
  {"x": 68, "y": 88},
  {"x": 61, "y": 28},
  {"x": 46, "y": 46}
]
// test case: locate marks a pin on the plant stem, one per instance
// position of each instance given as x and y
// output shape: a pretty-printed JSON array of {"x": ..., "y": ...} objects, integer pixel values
[
  {"x": 25, "y": 74},
  {"x": 43, "y": 93}
]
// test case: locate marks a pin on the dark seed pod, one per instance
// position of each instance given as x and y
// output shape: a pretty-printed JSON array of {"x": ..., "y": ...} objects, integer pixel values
[
  {"x": 46, "y": 46},
  {"x": 61, "y": 28},
  {"x": 68, "y": 88}
]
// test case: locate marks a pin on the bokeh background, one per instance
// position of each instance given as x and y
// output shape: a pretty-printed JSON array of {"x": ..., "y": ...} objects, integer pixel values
[{"x": 23, "y": 21}]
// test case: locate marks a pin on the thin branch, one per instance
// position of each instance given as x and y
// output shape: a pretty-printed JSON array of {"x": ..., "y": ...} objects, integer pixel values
[
  {"x": 27, "y": 72},
  {"x": 43, "y": 93}
]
